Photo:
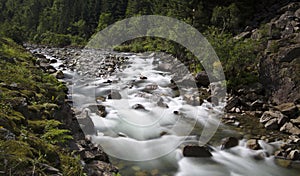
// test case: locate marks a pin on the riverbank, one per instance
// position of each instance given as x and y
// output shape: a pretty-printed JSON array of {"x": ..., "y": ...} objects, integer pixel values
[{"x": 38, "y": 131}]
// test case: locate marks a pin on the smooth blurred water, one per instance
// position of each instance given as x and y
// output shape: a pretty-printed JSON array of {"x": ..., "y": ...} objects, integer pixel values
[{"x": 149, "y": 141}]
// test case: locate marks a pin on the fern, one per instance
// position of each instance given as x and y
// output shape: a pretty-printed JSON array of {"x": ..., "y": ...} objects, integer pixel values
[{"x": 55, "y": 136}]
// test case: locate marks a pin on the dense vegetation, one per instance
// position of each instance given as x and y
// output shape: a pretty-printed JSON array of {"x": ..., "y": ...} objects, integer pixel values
[
  {"x": 73, "y": 22},
  {"x": 32, "y": 136}
]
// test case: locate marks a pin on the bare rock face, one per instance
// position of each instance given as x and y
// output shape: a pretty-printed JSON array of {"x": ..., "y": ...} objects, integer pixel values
[{"x": 280, "y": 64}]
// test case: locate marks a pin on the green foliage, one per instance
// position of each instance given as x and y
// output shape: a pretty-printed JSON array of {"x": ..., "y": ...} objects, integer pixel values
[
  {"x": 56, "y": 136},
  {"x": 226, "y": 17},
  {"x": 15, "y": 157},
  {"x": 27, "y": 93},
  {"x": 238, "y": 57}
]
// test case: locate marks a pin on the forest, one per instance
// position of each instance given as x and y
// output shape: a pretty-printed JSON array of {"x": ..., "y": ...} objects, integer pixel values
[{"x": 65, "y": 22}]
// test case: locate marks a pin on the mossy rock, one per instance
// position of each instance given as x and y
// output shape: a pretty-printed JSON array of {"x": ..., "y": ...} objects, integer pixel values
[
  {"x": 9, "y": 124},
  {"x": 17, "y": 117},
  {"x": 18, "y": 156},
  {"x": 49, "y": 151},
  {"x": 39, "y": 126}
]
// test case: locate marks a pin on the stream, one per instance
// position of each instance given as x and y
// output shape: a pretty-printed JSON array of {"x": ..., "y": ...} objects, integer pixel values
[{"x": 147, "y": 122}]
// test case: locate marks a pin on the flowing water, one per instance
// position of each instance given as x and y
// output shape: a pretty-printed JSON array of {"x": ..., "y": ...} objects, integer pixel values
[{"x": 145, "y": 130}]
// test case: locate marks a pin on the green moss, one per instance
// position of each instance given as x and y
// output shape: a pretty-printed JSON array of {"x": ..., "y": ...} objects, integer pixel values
[{"x": 28, "y": 100}]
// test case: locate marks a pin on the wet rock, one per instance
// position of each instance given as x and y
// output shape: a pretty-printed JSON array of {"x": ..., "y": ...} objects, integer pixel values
[
  {"x": 272, "y": 124},
  {"x": 196, "y": 151},
  {"x": 202, "y": 79},
  {"x": 229, "y": 143},
  {"x": 59, "y": 75},
  {"x": 294, "y": 155},
  {"x": 143, "y": 77},
  {"x": 150, "y": 87},
  {"x": 288, "y": 109},
  {"x": 290, "y": 128},
  {"x": 165, "y": 67},
  {"x": 253, "y": 144},
  {"x": 52, "y": 61},
  {"x": 138, "y": 106},
  {"x": 176, "y": 112},
  {"x": 161, "y": 103},
  {"x": 163, "y": 133},
  {"x": 213, "y": 99},
  {"x": 98, "y": 109},
  {"x": 120, "y": 134},
  {"x": 114, "y": 95},
  {"x": 259, "y": 156},
  {"x": 193, "y": 99},
  {"x": 86, "y": 123}
]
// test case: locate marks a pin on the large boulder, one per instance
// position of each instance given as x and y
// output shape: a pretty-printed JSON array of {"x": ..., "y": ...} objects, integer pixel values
[
  {"x": 202, "y": 79},
  {"x": 290, "y": 129},
  {"x": 196, "y": 151},
  {"x": 288, "y": 109}
]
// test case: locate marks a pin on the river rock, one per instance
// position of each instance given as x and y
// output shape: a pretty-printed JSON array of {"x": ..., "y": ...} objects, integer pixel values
[
  {"x": 231, "y": 103},
  {"x": 196, "y": 151},
  {"x": 272, "y": 124},
  {"x": 268, "y": 115},
  {"x": 253, "y": 144},
  {"x": 288, "y": 109},
  {"x": 165, "y": 67},
  {"x": 294, "y": 155},
  {"x": 138, "y": 106},
  {"x": 202, "y": 79},
  {"x": 150, "y": 87},
  {"x": 161, "y": 103},
  {"x": 296, "y": 121},
  {"x": 59, "y": 75},
  {"x": 114, "y": 95},
  {"x": 98, "y": 109},
  {"x": 229, "y": 142},
  {"x": 290, "y": 128}
]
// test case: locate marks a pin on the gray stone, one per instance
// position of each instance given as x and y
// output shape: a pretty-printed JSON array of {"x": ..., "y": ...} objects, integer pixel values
[
  {"x": 268, "y": 115},
  {"x": 290, "y": 128},
  {"x": 114, "y": 95},
  {"x": 231, "y": 103},
  {"x": 288, "y": 109},
  {"x": 296, "y": 121}
]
